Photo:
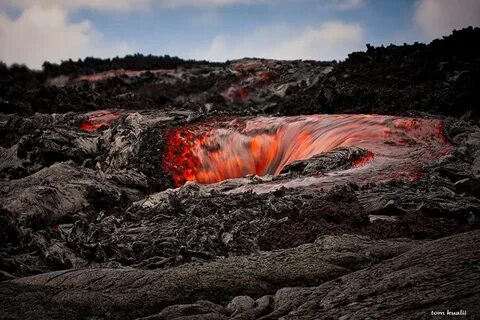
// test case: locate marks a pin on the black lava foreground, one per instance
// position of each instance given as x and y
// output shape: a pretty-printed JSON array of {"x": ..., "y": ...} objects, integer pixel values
[{"x": 170, "y": 189}]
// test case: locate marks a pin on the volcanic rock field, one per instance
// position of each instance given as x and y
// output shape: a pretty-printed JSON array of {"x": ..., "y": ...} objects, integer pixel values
[{"x": 158, "y": 188}]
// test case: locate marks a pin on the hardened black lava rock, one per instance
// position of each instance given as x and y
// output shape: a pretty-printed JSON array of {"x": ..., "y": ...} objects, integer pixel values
[{"x": 441, "y": 78}]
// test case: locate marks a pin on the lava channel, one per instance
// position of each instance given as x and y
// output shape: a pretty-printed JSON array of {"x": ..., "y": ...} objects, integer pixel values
[{"x": 212, "y": 152}]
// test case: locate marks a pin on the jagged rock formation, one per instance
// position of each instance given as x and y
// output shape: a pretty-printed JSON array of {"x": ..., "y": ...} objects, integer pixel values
[
  {"x": 340, "y": 276},
  {"x": 439, "y": 78}
]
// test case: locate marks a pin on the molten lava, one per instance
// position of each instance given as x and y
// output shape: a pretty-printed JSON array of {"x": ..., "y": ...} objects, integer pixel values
[
  {"x": 99, "y": 119},
  {"x": 213, "y": 152}
]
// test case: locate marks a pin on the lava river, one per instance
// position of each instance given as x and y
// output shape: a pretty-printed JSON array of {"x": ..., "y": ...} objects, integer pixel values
[{"x": 223, "y": 149}]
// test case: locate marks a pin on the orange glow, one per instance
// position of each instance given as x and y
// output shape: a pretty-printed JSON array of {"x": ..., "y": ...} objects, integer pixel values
[{"x": 263, "y": 146}]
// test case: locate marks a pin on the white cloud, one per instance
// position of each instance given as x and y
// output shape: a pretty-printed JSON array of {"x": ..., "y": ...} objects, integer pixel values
[
  {"x": 337, "y": 4},
  {"x": 347, "y": 4},
  {"x": 211, "y": 3},
  {"x": 439, "y": 17},
  {"x": 329, "y": 41},
  {"x": 120, "y": 5},
  {"x": 126, "y": 5},
  {"x": 42, "y": 33}
]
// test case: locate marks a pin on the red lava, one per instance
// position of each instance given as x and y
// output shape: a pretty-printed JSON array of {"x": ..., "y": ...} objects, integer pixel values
[
  {"x": 97, "y": 119},
  {"x": 253, "y": 77},
  {"x": 364, "y": 159},
  {"x": 209, "y": 153}
]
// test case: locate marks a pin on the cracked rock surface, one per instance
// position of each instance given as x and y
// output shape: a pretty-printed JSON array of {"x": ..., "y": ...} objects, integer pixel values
[{"x": 336, "y": 276}]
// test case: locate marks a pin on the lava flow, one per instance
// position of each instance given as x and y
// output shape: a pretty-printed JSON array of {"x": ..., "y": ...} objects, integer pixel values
[
  {"x": 209, "y": 153},
  {"x": 98, "y": 119}
]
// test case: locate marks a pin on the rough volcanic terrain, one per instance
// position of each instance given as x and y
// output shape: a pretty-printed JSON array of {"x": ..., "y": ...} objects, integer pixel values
[{"x": 157, "y": 188}]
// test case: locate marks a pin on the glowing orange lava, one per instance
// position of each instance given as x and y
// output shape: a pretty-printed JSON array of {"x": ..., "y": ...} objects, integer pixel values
[{"x": 210, "y": 153}]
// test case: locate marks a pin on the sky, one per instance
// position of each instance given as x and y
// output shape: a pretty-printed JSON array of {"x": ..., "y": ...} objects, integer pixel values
[{"x": 34, "y": 31}]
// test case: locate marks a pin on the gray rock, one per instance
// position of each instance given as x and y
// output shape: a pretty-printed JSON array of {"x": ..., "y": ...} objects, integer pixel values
[{"x": 129, "y": 293}]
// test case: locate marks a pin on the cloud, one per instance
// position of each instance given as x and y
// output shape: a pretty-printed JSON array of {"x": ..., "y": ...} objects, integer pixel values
[
  {"x": 330, "y": 41},
  {"x": 42, "y": 33},
  {"x": 115, "y": 5},
  {"x": 346, "y": 4},
  {"x": 128, "y": 5},
  {"x": 439, "y": 17},
  {"x": 212, "y": 3},
  {"x": 337, "y": 4}
]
